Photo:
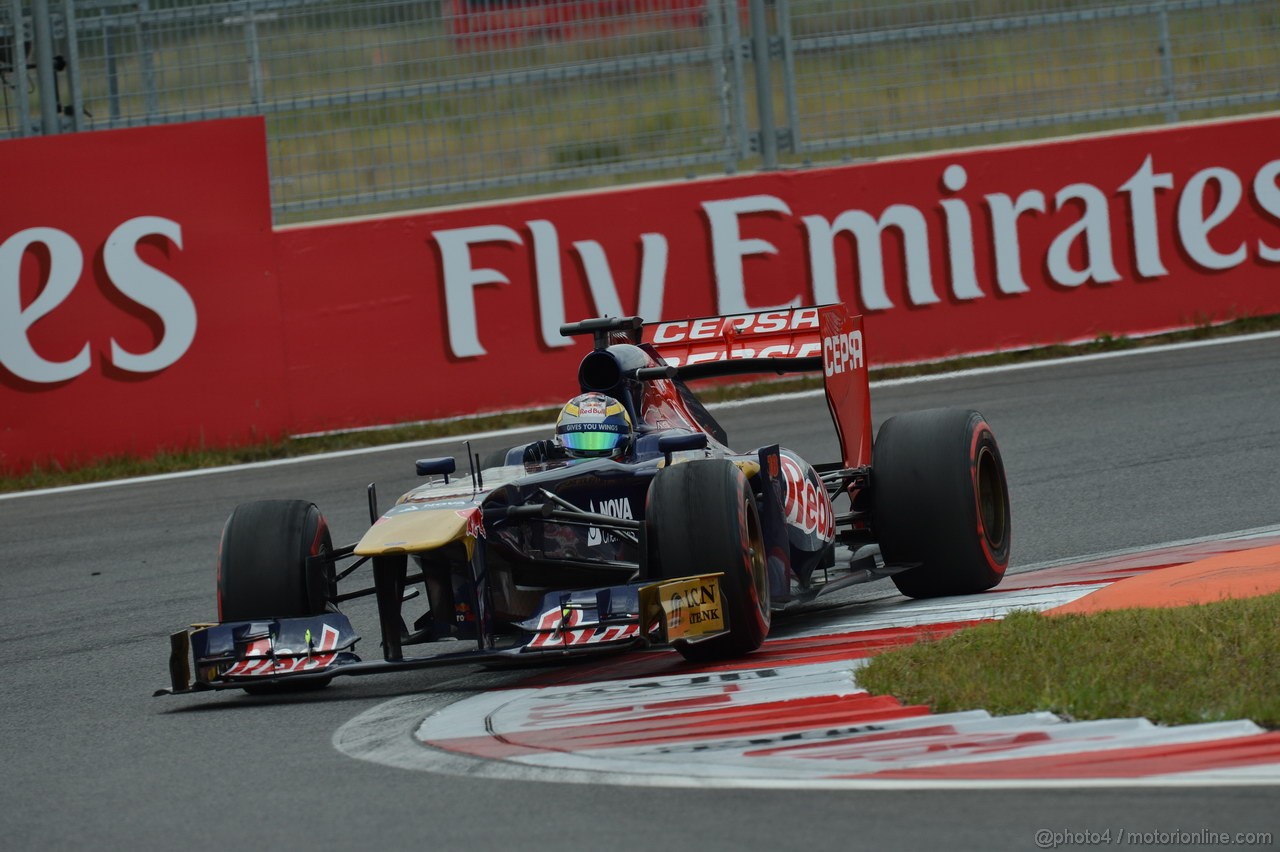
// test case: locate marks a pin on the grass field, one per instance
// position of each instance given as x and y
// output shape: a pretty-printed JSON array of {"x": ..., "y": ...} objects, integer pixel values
[{"x": 1205, "y": 663}]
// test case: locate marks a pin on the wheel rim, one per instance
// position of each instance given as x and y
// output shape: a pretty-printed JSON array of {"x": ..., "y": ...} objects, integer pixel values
[{"x": 993, "y": 503}]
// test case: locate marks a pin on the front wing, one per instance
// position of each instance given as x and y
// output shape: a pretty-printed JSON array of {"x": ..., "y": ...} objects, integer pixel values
[{"x": 315, "y": 649}]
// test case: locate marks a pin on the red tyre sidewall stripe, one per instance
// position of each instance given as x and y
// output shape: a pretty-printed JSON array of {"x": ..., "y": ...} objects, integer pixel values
[
  {"x": 982, "y": 430},
  {"x": 217, "y": 566},
  {"x": 321, "y": 527}
]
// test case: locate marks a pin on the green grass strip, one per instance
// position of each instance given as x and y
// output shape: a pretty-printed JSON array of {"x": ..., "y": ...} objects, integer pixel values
[
  {"x": 172, "y": 459},
  {"x": 1204, "y": 663}
]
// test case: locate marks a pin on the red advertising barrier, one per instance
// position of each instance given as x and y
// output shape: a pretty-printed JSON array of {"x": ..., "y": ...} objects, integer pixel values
[
  {"x": 973, "y": 251},
  {"x": 139, "y": 306},
  {"x": 452, "y": 311}
]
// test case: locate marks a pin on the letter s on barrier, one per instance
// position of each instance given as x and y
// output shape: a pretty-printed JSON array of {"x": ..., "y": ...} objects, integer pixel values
[
  {"x": 1267, "y": 193},
  {"x": 65, "y": 263},
  {"x": 136, "y": 280},
  {"x": 152, "y": 289}
]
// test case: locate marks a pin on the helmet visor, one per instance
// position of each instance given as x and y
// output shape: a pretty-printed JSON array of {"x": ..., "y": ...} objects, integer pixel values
[{"x": 600, "y": 439}]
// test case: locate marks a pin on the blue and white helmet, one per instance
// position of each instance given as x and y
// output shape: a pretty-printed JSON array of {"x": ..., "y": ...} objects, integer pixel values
[{"x": 593, "y": 425}]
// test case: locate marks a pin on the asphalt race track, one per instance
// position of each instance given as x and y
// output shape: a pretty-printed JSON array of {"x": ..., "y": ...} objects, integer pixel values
[{"x": 1104, "y": 454}]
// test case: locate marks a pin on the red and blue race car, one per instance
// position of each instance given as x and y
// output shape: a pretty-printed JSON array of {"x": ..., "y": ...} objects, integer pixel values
[{"x": 679, "y": 541}]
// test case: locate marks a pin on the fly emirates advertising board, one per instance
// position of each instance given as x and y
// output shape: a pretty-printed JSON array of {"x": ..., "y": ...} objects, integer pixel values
[{"x": 146, "y": 302}]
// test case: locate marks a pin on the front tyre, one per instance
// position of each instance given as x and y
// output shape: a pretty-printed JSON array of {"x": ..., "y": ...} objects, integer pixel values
[
  {"x": 702, "y": 518},
  {"x": 264, "y": 570},
  {"x": 264, "y": 567},
  {"x": 941, "y": 500}
]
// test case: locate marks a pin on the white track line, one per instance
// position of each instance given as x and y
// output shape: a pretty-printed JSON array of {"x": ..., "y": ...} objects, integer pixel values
[
  {"x": 544, "y": 427},
  {"x": 382, "y": 735},
  {"x": 1241, "y": 535}
]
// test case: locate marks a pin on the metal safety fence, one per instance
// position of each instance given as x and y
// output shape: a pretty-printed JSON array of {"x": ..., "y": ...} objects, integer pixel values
[{"x": 373, "y": 105}]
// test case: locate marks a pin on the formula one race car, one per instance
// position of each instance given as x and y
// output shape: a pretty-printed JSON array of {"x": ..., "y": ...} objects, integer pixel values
[{"x": 675, "y": 539}]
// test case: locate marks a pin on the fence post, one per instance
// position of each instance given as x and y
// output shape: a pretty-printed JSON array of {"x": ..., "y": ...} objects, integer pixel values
[
  {"x": 719, "y": 47},
  {"x": 255, "y": 60},
  {"x": 147, "y": 60},
  {"x": 768, "y": 138},
  {"x": 113, "y": 74},
  {"x": 73, "y": 64},
  {"x": 42, "y": 35},
  {"x": 1166, "y": 63},
  {"x": 250, "y": 20},
  {"x": 20, "y": 67},
  {"x": 791, "y": 134},
  {"x": 738, "y": 85}
]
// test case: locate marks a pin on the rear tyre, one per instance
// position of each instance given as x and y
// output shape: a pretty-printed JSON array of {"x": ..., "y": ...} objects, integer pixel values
[
  {"x": 262, "y": 563},
  {"x": 941, "y": 499},
  {"x": 702, "y": 518}
]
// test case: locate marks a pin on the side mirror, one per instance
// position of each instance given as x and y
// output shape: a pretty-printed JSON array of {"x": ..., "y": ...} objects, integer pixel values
[
  {"x": 445, "y": 465},
  {"x": 666, "y": 371},
  {"x": 669, "y": 444}
]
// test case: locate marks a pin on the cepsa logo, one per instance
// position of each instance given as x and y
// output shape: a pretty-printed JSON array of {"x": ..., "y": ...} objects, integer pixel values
[
  {"x": 127, "y": 273},
  {"x": 842, "y": 352},
  {"x": 710, "y": 328},
  {"x": 768, "y": 334}
]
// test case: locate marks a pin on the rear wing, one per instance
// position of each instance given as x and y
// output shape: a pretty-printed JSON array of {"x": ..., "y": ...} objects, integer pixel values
[{"x": 809, "y": 339}]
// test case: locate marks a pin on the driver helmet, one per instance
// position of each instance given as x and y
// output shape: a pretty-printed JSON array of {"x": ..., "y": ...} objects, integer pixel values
[{"x": 593, "y": 425}]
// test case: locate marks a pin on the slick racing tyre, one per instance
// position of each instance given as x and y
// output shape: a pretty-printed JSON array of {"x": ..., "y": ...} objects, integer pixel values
[
  {"x": 262, "y": 562},
  {"x": 263, "y": 570},
  {"x": 702, "y": 518},
  {"x": 940, "y": 499}
]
